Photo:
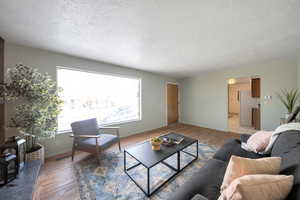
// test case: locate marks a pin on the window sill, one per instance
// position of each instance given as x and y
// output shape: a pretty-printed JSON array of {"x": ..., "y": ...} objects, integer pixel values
[{"x": 103, "y": 125}]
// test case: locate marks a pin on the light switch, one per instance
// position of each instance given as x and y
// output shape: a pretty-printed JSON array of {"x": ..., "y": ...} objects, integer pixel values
[{"x": 268, "y": 97}]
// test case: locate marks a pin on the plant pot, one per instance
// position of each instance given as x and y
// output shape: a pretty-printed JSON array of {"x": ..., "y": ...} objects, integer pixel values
[
  {"x": 37, "y": 154},
  {"x": 156, "y": 145},
  {"x": 286, "y": 116}
]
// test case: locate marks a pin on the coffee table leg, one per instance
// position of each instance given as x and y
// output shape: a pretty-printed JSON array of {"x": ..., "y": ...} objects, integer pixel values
[
  {"x": 197, "y": 149},
  {"x": 178, "y": 161},
  {"x": 147, "y": 190},
  {"x": 124, "y": 160},
  {"x": 148, "y": 182}
]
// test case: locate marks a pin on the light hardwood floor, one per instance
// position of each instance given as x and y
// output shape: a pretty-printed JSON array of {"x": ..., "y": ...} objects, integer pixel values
[{"x": 57, "y": 180}]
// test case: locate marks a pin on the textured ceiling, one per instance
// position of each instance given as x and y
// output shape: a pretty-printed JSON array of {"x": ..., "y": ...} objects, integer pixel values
[{"x": 172, "y": 37}]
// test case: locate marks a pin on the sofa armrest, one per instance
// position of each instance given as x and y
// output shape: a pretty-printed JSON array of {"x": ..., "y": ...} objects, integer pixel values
[
  {"x": 244, "y": 138},
  {"x": 199, "y": 197},
  {"x": 85, "y": 136},
  {"x": 116, "y": 128}
]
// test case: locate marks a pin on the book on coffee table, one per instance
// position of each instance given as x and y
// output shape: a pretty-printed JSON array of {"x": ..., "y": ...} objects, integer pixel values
[{"x": 172, "y": 139}]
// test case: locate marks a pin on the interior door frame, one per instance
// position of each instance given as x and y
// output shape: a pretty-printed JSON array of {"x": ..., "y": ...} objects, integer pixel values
[
  {"x": 260, "y": 99},
  {"x": 166, "y": 92}
]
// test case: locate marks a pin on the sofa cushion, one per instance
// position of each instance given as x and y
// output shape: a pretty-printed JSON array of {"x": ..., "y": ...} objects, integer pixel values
[
  {"x": 244, "y": 138},
  {"x": 259, "y": 186},
  {"x": 85, "y": 127},
  {"x": 104, "y": 141},
  {"x": 287, "y": 146},
  {"x": 239, "y": 166},
  {"x": 207, "y": 182},
  {"x": 259, "y": 141},
  {"x": 233, "y": 147},
  {"x": 285, "y": 143}
]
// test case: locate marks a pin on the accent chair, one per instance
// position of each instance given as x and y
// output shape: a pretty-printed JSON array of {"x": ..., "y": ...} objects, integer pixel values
[{"x": 88, "y": 137}]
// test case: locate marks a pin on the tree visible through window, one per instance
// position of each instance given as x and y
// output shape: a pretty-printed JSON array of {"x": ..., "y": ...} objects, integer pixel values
[{"x": 111, "y": 99}]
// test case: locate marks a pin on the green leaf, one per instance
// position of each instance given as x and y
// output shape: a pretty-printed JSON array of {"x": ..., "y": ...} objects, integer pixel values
[
  {"x": 289, "y": 98},
  {"x": 41, "y": 103}
]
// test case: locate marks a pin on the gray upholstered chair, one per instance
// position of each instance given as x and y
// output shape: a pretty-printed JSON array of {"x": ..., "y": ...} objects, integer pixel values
[{"x": 89, "y": 138}]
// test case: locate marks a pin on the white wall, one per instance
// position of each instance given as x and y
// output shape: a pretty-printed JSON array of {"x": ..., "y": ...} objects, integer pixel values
[
  {"x": 204, "y": 97},
  {"x": 153, "y": 88}
]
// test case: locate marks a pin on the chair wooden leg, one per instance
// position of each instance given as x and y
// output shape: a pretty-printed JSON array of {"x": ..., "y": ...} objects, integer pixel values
[
  {"x": 119, "y": 145},
  {"x": 119, "y": 142},
  {"x": 73, "y": 151},
  {"x": 98, "y": 151}
]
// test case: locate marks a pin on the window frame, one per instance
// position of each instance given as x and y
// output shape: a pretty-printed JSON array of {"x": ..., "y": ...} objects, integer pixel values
[{"x": 107, "y": 74}]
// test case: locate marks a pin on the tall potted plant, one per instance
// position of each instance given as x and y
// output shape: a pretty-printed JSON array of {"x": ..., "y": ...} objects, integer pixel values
[
  {"x": 37, "y": 107},
  {"x": 289, "y": 99}
]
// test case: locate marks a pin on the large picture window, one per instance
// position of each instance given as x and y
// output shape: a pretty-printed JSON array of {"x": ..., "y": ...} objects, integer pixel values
[{"x": 111, "y": 99}]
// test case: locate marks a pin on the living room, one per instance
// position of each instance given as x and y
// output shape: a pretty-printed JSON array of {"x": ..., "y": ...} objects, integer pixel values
[{"x": 153, "y": 77}]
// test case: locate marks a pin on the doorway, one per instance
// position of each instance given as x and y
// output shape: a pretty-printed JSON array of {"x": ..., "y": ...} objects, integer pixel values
[
  {"x": 244, "y": 105},
  {"x": 172, "y": 103}
]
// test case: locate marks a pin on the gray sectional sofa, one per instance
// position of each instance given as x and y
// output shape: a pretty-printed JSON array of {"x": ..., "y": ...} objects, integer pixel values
[{"x": 207, "y": 182}]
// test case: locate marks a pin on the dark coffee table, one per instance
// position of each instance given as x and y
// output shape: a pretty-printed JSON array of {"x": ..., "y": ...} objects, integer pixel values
[{"x": 144, "y": 155}]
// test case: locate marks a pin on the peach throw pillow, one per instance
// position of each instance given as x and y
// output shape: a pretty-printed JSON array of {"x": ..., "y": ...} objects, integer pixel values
[
  {"x": 259, "y": 141},
  {"x": 254, "y": 187},
  {"x": 239, "y": 166}
]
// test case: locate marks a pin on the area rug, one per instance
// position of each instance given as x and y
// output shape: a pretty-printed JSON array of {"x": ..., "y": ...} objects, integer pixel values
[{"x": 108, "y": 180}]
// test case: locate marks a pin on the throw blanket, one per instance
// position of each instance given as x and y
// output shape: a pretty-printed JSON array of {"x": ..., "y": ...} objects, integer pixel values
[{"x": 280, "y": 129}]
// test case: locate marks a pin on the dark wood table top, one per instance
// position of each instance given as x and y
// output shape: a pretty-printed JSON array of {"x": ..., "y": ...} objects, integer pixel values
[{"x": 146, "y": 156}]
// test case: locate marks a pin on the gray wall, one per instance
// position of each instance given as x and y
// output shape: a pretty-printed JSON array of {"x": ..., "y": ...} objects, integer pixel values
[
  {"x": 299, "y": 73},
  {"x": 204, "y": 97},
  {"x": 153, "y": 89}
]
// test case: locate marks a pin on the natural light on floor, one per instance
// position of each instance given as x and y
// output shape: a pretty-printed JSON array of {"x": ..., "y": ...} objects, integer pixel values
[{"x": 111, "y": 99}]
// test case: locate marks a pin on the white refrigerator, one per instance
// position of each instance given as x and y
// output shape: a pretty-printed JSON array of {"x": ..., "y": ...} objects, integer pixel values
[{"x": 247, "y": 102}]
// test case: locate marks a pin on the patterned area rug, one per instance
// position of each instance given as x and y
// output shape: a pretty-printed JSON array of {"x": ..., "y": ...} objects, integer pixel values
[{"x": 108, "y": 180}]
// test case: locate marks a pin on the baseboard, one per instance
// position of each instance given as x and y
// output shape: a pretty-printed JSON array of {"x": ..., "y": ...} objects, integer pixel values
[
  {"x": 210, "y": 129},
  {"x": 59, "y": 156}
]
